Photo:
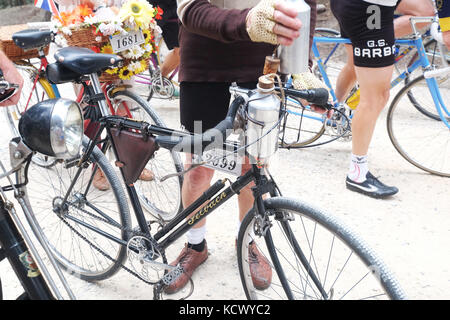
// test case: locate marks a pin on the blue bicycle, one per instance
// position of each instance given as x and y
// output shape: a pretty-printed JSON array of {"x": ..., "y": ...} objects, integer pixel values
[{"x": 418, "y": 119}]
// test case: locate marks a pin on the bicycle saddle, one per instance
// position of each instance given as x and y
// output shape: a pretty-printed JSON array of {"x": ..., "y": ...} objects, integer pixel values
[
  {"x": 84, "y": 61},
  {"x": 33, "y": 38}
]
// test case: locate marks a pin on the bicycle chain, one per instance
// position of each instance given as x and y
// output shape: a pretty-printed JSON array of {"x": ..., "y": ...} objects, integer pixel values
[{"x": 132, "y": 232}]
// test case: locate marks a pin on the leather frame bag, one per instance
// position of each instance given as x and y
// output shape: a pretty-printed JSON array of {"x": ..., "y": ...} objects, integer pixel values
[{"x": 134, "y": 150}]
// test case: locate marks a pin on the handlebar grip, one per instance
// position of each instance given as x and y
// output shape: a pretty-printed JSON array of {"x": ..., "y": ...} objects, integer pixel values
[{"x": 317, "y": 96}]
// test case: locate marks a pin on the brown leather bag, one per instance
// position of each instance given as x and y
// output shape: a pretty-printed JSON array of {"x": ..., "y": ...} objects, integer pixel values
[{"x": 134, "y": 150}]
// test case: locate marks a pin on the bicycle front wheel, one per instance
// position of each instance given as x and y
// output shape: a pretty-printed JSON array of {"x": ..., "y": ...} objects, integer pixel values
[
  {"x": 417, "y": 131},
  {"x": 312, "y": 256},
  {"x": 87, "y": 233},
  {"x": 160, "y": 198}
]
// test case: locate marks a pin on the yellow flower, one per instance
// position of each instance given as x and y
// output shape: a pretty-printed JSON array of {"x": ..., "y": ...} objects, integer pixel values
[
  {"x": 147, "y": 36},
  {"x": 107, "y": 49},
  {"x": 142, "y": 68},
  {"x": 112, "y": 71},
  {"x": 125, "y": 74},
  {"x": 138, "y": 11}
]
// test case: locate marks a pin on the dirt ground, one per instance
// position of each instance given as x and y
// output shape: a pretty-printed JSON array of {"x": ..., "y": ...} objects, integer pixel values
[{"x": 410, "y": 231}]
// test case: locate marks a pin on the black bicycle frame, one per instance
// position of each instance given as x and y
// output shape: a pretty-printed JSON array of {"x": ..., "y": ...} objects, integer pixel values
[
  {"x": 214, "y": 197},
  {"x": 14, "y": 248}
]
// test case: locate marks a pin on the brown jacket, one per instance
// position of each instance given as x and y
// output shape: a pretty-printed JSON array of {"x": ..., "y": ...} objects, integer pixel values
[{"x": 214, "y": 43}]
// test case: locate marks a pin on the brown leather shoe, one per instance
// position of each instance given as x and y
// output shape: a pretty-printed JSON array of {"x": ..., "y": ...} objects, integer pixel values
[
  {"x": 259, "y": 268},
  {"x": 100, "y": 182},
  {"x": 189, "y": 260},
  {"x": 146, "y": 175}
]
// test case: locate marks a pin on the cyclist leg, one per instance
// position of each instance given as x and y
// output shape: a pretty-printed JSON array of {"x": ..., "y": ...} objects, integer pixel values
[
  {"x": 374, "y": 56},
  {"x": 408, "y": 9},
  {"x": 347, "y": 77},
  {"x": 172, "y": 60}
]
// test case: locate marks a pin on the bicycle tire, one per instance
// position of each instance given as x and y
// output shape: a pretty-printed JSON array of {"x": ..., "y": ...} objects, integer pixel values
[
  {"x": 161, "y": 199},
  {"x": 436, "y": 62},
  {"x": 42, "y": 91},
  {"x": 324, "y": 238},
  {"x": 75, "y": 246},
  {"x": 420, "y": 139}
]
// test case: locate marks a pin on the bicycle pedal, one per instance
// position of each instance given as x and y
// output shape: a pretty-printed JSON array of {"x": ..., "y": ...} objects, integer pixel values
[{"x": 172, "y": 275}]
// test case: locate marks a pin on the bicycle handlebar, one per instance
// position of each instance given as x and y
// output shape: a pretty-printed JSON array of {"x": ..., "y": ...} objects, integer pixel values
[{"x": 197, "y": 143}]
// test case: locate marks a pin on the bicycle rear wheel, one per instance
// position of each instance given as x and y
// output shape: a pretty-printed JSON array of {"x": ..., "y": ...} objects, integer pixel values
[
  {"x": 160, "y": 198},
  {"x": 320, "y": 258},
  {"x": 418, "y": 134},
  {"x": 88, "y": 233}
]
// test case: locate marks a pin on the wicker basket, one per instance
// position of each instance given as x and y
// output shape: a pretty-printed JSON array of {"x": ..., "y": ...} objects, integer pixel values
[
  {"x": 84, "y": 38},
  {"x": 12, "y": 51}
]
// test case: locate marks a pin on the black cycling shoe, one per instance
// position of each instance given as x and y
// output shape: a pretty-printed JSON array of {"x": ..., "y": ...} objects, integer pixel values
[{"x": 371, "y": 187}]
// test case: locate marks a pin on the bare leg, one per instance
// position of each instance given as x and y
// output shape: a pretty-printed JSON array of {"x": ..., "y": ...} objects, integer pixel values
[
  {"x": 171, "y": 62},
  {"x": 409, "y": 8},
  {"x": 375, "y": 86},
  {"x": 347, "y": 77}
]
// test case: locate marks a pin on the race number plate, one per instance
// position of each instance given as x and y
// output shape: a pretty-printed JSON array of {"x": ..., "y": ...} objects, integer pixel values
[
  {"x": 216, "y": 159},
  {"x": 127, "y": 41}
]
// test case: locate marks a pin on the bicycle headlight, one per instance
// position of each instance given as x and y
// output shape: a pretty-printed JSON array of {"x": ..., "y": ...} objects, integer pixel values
[{"x": 53, "y": 127}]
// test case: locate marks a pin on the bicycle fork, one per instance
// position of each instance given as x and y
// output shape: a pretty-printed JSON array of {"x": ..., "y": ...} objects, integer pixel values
[{"x": 263, "y": 185}]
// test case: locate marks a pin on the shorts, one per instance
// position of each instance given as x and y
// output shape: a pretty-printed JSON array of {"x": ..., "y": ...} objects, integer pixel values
[
  {"x": 204, "y": 104},
  {"x": 370, "y": 28},
  {"x": 170, "y": 34}
]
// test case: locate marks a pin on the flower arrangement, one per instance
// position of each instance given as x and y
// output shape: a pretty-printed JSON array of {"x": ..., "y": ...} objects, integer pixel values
[{"x": 128, "y": 32}]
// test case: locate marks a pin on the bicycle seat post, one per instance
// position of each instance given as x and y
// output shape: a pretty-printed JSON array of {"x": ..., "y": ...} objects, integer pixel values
[{"x": 98, "y": 90}]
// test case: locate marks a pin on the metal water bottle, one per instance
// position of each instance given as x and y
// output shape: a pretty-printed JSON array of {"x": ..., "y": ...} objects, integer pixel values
[
  {"x": 295, "y": 58},
  {"x": 263, "y": 114}
]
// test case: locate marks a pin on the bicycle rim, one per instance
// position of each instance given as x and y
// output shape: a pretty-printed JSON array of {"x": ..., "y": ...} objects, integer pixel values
[
  {"x": 334, "y": 263},
  {"x": 86, "y": 253},
  {"x": 302, "y": 126},
  {"x": 415, "y": 130},
  {"x": 160, "y": 198}
]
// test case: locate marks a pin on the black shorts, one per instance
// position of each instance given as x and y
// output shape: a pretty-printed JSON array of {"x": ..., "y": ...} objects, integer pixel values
[
  {"x": 370, "y": 27},
  {"x": 170, "y": 34},
  {"x": 204, "y": 104}
]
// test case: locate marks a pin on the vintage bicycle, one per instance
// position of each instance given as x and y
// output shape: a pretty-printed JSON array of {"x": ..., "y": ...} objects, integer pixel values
[
  {"x": 16, "y": 244},
  {"x": 159, "y": 199},
  {"x": 312, "y": 254},
  {"x": 418, "y": 119}
]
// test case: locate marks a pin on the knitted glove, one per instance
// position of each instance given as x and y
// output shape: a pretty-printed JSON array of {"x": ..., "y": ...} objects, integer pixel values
[
  {"x": 306, "y": 81},
  {"x": 260, "y": 22}
]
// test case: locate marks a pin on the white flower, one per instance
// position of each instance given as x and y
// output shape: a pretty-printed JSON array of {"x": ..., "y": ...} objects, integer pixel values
[
  {"x": 107, "y": 29},
  {"x": 60, "y": 41},
  {"x": 148, "y": 47},
  {"x": 105, "y": 15},
  {"x": 133, "y": 66},
  {"x": 98, "y": 39},
  {"x": 66, "y": 31},
  {"x": 91, "y": 20},
  {"x": 134, "y": 53}
]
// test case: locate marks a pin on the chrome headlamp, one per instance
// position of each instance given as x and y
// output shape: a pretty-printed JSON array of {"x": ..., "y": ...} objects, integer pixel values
[{"x": 53, "y": 127}]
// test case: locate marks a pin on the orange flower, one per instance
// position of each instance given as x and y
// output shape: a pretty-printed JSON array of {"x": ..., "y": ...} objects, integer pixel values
[{"x": 159, "y": 13}]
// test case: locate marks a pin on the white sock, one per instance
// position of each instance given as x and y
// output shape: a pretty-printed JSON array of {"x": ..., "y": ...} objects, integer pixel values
[
  {"x": 359, "y": 166},
  {"x": 196, "y": 235}
]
